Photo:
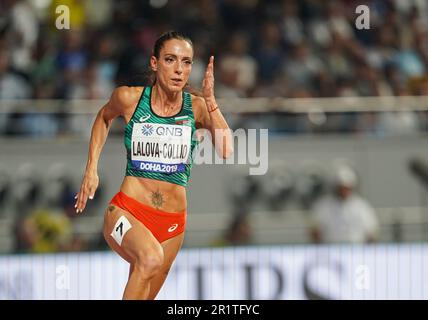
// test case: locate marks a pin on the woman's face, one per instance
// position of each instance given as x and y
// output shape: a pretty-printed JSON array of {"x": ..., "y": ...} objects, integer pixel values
[{"x": 174, "y": 64}]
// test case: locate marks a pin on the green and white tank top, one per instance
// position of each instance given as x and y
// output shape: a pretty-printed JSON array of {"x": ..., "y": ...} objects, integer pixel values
[{"x": 160, "y": 148}]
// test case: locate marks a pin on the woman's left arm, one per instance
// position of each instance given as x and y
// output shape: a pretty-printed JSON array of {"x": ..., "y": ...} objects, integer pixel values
[{"x": 212, "y": 118}]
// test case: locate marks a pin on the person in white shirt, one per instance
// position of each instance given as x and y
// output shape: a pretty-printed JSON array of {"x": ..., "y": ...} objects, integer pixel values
[{"x": 344, "y": 216}]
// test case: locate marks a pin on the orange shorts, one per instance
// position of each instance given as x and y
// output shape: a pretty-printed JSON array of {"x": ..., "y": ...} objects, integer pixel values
[{"x": 163, "y": 225}]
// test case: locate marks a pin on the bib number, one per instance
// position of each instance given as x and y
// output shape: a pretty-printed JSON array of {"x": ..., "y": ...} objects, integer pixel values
[
  {"x": 163, "y": 148},
  {"x": 120, "y": 229}
]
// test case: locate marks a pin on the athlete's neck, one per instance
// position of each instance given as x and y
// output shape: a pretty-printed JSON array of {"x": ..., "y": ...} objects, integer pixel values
[{"x": 166, "y": 102}]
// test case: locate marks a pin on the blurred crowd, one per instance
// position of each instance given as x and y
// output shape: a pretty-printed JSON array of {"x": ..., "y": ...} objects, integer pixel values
[
  {"x": 263, "y": 48},
  {"x": 271, "y": 48}
]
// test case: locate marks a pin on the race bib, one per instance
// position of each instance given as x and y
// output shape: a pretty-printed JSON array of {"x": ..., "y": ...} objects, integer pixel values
[{"x": 161, "y": 148}]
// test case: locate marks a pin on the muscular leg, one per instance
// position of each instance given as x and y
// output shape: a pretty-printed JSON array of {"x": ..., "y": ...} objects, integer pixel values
[
  {"x": 140, "y": 248},
  {"x": 170, "y": 249}
]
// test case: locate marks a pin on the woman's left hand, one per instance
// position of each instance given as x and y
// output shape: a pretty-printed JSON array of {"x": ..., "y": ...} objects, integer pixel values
[{"x": 208, "y": 81}]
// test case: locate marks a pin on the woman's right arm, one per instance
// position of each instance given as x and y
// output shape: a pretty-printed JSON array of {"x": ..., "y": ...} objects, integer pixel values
[{"x": 120, "y": 104}]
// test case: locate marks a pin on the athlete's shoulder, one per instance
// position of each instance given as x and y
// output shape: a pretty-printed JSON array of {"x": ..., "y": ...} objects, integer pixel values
[
  {"x": 127, "y": 96},
  {"x": 197, "y": 100},
  {"x": 198, "y": 103}
]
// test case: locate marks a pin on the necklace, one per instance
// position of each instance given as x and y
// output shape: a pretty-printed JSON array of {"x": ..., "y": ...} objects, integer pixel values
[{"x": 166, "y": 112}]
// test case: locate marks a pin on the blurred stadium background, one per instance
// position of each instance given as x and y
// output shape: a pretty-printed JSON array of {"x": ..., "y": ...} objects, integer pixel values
[{"x": 327, "y": 92}]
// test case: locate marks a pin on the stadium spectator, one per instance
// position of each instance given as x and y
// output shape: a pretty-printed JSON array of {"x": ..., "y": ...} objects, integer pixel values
[
  {"x": 21, "y": 34},
  {"x": 292, "y": 27},
  {"x": 239, "y": 61},
  {"x": 12, "y": 86},
  {"x": 344, "y": 216},
  {"x": 269, "y": 53},
  {"x": 44, "y": 231},
  {"x": 302, "y": 66}
]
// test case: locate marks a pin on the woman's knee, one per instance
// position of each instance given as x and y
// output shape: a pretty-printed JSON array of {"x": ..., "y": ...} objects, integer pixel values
[{"x": 149, "y": 262}]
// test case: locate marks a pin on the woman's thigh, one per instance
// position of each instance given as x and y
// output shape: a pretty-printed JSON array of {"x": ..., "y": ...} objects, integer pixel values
[{"x": 127, "y": 236}]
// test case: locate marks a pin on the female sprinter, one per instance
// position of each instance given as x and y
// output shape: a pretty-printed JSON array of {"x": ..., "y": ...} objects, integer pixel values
[{"x": 146, "y": 219}]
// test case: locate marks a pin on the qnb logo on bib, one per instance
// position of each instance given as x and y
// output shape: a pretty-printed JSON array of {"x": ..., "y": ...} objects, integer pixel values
[
  {"x": 147, "y": 130},
  {"x": 173, "y": 227},
  {"x": 171, "y": 131}
]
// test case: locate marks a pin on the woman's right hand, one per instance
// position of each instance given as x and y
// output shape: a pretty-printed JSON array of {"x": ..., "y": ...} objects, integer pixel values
[{"x": 87, "y": 190}]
